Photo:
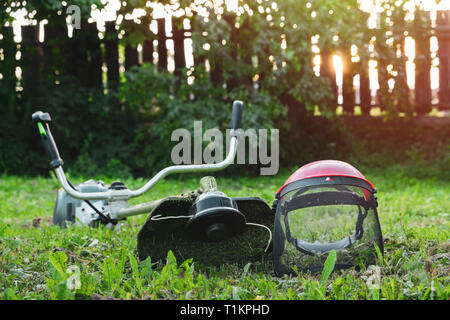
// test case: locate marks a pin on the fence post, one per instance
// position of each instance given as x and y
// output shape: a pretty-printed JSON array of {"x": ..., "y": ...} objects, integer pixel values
[
  {"x": 162, "y": 47},
  {"x": 401, "y": 91},
  {"x": 264, "y": 65},
  {"x": 380, "y": 99},
  {"x": 112, "y": 54},
  {"x": 443, "y": 35}
]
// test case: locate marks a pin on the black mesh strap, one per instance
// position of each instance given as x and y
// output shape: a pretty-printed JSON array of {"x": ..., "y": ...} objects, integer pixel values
[
  {"x": 314, "y": 248},
  {"x": 337, "y": 187}
]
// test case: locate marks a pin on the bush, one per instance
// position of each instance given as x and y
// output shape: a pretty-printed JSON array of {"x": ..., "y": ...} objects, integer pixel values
[{"x": 161, "y": 103}]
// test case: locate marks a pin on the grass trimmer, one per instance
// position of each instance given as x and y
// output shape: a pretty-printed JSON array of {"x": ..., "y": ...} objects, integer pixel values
[{"x": 204, "y": 224}]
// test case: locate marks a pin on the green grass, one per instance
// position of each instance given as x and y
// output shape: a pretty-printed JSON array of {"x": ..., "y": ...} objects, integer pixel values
[{"x": 42, "y": 261}]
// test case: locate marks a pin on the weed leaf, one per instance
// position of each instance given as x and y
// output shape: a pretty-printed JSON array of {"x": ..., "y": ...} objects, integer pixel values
[
  {"x": 58, "y": 261},
  {"x": 328, "y": 267}
]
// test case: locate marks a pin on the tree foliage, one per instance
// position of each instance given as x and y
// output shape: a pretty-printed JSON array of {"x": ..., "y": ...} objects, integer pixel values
[{"x": 260, "y": 52}]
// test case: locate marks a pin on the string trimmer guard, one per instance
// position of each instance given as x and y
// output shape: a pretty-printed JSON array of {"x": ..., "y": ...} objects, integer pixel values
[{"x": 239, "y": 229}]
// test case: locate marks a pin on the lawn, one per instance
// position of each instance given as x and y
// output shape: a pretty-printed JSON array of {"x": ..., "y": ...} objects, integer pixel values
[{"x": 42, "y": 261}]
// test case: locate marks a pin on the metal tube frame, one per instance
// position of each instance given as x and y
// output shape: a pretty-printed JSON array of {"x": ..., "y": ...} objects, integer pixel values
[{"x": 124, "y": 195}]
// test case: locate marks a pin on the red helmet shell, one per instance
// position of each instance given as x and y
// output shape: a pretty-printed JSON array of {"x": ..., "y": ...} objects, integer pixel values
[{"x": 325, "y": 168}]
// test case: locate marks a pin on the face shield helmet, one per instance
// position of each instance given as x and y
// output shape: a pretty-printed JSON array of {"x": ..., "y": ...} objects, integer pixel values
[{"x": 325, "y": 205}]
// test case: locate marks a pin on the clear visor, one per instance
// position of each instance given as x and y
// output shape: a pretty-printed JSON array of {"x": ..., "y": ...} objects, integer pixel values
[{"x": 312, "y": 221}]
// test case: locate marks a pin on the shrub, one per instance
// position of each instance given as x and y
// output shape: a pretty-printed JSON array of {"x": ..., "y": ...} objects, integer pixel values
[{"x": 160, "y": 103}]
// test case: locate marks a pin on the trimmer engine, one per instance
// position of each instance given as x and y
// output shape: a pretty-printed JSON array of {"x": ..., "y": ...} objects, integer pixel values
[{"x": 85, "y": 212}]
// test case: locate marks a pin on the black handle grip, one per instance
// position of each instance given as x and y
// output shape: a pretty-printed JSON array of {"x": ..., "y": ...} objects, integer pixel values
[
  {"x": 236, "y": 117},
  {"x": 42, "y": 119}
]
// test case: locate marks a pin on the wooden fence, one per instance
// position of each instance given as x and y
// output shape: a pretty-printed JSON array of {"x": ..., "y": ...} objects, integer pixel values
[{"x": 84, "y": 56}]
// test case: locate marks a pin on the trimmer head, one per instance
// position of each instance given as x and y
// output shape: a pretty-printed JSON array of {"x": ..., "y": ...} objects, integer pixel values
[
  {"x": 209, "y": 227},
  {"x": 215, "y": 217}
]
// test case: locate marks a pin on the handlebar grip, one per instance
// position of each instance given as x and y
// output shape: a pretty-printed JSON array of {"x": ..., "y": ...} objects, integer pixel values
[
  {"x": 42, "y": 119},
  {"x": 236, "y": 117}
]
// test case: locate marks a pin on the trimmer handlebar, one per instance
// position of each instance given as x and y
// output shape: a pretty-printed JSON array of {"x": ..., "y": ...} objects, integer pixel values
[
  {"x": 42, "y": 119},
  {"x": 236, "y": 116}
]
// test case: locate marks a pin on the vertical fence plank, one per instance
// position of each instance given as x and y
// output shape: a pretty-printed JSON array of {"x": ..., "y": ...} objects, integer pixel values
[
  {"x": 95, "y": 57},
  {"x": 7, "y": 69},
  {"x": 216, "y": 72},
  {"x": 147, "y": 46},
  {"x": 30, "y": 63},
  {"x": 327, "y": 71},
  {"x": 56, "y": 52},
  {"x": 230, "y": 19},
  {"x": 112, "y": 54},
  {"x": 78, "y": 66},
  {"x": 245, "y": 31},
  {"x": 178, "y": 42},
  {"x": 199, "y": 60},
  {"x": 364, "y": 88},
  {"x": 443, "y": 35},
  {"x": 147, "y": 51},
  {"x": 348, "y": 92},
  {"x": 423, "y": 65},
  {"x": 131, "y": 57},
  {"x": 162, "y": 47}
]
